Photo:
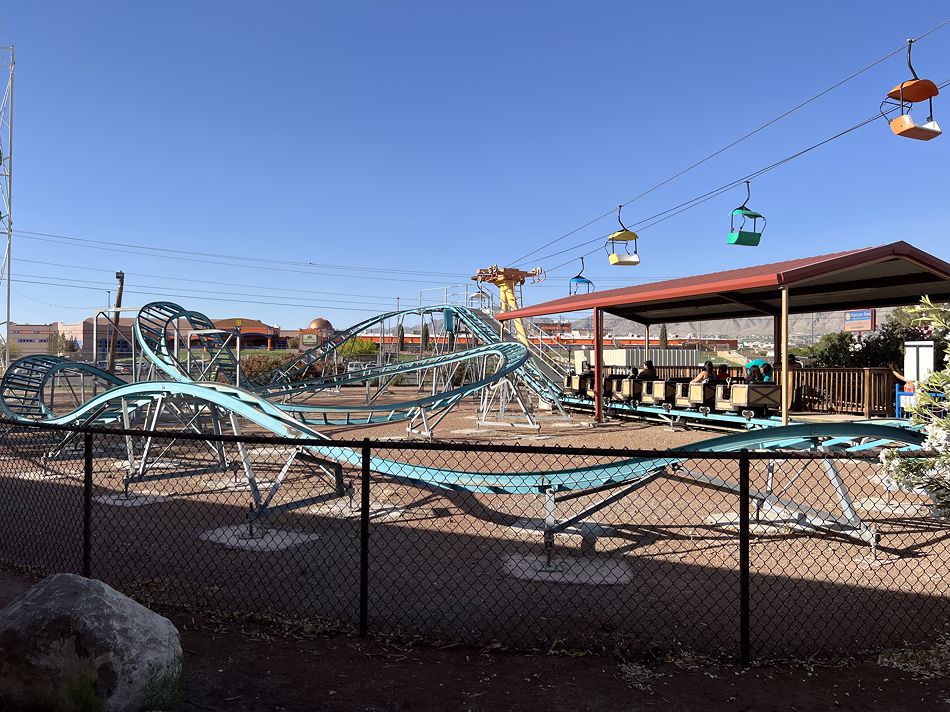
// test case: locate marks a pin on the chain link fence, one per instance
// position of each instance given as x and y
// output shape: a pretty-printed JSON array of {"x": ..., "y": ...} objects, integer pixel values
[{"x": 726, "y": 554}]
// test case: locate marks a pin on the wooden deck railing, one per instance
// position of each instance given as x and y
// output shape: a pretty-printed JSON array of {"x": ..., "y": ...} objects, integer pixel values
[
  {"x": 860, "y": 391},
  {"x": 857, "y": 391}
]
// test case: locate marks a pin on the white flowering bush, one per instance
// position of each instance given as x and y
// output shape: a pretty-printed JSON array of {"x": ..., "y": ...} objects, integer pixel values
[{"x": 929, "y": 475}]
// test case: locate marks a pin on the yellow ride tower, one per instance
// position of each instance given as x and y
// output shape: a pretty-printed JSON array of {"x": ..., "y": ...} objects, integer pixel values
[{"x": 508, "y": 280}]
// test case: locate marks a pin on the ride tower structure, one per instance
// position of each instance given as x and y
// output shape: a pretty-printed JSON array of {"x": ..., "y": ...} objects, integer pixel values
[
  {"x": 509, "y": 281},
  {"x": 6, "y": 187}
]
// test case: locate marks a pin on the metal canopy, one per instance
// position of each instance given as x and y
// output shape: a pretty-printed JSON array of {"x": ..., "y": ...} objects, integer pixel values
[{"x": 889, "y": 275}]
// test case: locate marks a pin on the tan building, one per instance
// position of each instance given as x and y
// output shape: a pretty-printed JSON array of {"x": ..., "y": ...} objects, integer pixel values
[{"x": 32, "y": 339}]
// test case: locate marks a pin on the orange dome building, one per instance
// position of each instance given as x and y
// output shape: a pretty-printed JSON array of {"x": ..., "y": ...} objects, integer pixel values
[{"x": 318, "y": 331}]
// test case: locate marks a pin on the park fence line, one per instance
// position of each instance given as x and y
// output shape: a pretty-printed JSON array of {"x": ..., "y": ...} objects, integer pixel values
[{"x": 672, "y": 565}]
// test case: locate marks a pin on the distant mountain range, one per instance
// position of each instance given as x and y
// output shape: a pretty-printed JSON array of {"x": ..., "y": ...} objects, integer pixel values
[{"x": 801, "y": 326}]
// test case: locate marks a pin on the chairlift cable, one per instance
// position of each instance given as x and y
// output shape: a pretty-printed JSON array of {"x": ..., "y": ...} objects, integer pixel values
[
  {"x": 735, "y": 142},
  {"x": 698, "y": 200}
]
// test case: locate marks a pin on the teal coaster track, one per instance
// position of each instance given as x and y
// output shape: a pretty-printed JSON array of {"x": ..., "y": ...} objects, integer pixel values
[
  {"x": 157, "y": 320},
  {"x": 212, "y": 408}
]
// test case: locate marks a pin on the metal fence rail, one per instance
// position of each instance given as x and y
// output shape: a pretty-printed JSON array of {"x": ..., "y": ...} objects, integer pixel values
[{"x": 730, "y": 554}]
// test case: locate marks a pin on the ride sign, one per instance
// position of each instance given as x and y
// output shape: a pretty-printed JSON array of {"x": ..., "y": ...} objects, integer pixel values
[{"x": 860, "y": 320}]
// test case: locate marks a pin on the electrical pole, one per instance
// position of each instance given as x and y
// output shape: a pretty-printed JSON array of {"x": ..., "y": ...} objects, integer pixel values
[
  {"x": 6, "y": 188},
  {"x": 114, "y": 339}
]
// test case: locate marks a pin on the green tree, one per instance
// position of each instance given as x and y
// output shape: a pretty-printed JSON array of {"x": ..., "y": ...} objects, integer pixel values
[
  {"x": 834, "y": 350},
  {"x": 54, "y": 345},
  {"x": 424, "y": 339},
  {"x": 664, "y": 338},
  {"x": 400, "y": 339},
  {"x": 355, "y": 348},
  {"x": 15, "y": 351},
  {"x": 58, "y": 345},
  {"x": 906, "y": 316},
  {"x": 886, "y": 345},
  {"x": 879, "y": 348}
]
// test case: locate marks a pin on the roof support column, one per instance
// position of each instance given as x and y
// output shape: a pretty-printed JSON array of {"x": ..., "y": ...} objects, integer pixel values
[
  {"x": 598, "y": 365},
  {"x": 785, "y": 375},
  {"x": 777, "y": 339}
]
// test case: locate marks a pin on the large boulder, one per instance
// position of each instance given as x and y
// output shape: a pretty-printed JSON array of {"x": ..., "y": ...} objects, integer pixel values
[{"x": 72, "y": 643}]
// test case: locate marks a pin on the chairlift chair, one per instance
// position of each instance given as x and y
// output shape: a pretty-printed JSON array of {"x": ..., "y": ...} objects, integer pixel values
[
  {"x": 622, "y": 237},
  {"x": 905, "y": 95},
  {"x": 579, "y": 282},
  {"x": 741, "y": 235}
]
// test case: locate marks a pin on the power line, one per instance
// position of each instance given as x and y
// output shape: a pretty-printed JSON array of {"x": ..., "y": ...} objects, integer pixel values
[
  {"x": 258, "y": 268},
  {"x": 255, "y": 259},
  {"x": 733, "y": 143},
  {"x": 199, "y": 293},
  {"x": 199, "y": 281},
  {"x": 50, "y": 304},
  {"x": 180, "y": 296},
  {"x": 649, "y": 222}
]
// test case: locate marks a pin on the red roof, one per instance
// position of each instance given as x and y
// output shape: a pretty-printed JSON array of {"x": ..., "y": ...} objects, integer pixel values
[{"x": 888, "y": 275}]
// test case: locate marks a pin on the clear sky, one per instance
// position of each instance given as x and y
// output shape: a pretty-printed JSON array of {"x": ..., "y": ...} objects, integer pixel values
[{"x": 401, "y": 146}]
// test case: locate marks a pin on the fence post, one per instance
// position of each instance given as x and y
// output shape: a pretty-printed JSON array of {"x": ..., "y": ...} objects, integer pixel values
[
  {"x": 87, "y": 506},
  {"x": 364, "y": 540},
  {"x": 744, "y": 613},
  {"x": 867, "y": 393}
]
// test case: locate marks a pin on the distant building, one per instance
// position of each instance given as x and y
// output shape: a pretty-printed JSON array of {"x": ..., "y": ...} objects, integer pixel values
[
  {"x": 103, "y": 332},
  {"x": 562, "y": 328},
  {"x": 255, "y": 334},
  {"x": 32, "y": 339},
  {"x": 318, "y": 331}
]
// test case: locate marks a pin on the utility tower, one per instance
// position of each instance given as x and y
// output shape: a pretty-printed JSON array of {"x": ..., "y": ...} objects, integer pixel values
[{"x": 6, "y": 187}]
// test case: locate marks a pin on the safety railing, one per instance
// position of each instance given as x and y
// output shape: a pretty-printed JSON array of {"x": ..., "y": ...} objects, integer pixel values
[{"x": 858, "y": 391}]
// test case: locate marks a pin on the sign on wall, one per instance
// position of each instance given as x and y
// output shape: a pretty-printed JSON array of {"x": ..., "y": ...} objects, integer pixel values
[
  {"x": 860, "y": 320},
  {"x": 308, "y": 339}
]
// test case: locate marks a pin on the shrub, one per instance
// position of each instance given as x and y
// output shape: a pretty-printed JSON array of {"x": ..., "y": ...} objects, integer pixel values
[
  {"x": 930, "y": 408},
  {"x": 260, "y": 362}
]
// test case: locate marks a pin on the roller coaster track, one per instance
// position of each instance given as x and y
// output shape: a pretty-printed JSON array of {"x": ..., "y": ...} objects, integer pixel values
[
  {"x": 149, "y": 405},
  {"x": 531, "y": 373},
  {"x": 26, "y": 381},
  {"x": 154, "y": 320},
  {"x": 145, "y": 403}
]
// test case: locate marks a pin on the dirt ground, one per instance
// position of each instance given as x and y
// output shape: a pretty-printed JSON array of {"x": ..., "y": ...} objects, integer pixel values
[
  {"x": 243, "y": 667},
  {"x": 461, "y": 425}
]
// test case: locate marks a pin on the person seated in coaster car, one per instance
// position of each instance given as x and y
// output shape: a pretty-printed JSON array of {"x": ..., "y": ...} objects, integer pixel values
[
  {"x": 648, "y": 372},
  {"x": 706, "y": 375}
]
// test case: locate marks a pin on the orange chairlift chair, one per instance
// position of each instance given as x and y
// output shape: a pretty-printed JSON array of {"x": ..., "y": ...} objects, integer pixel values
[
  {"x": 623, "y": 237},
  {"x": 905, "y": 95}
]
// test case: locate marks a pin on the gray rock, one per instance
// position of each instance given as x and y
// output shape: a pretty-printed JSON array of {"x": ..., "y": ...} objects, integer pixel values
[{"x": 72, "y": 643}]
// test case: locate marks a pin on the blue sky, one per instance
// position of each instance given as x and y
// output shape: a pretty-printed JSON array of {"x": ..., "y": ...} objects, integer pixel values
[{"x": 403, "y": 145}]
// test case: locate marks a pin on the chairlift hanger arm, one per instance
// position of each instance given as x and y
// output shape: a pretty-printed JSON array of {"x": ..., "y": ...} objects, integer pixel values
[{"x": 910, "y": 44}]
